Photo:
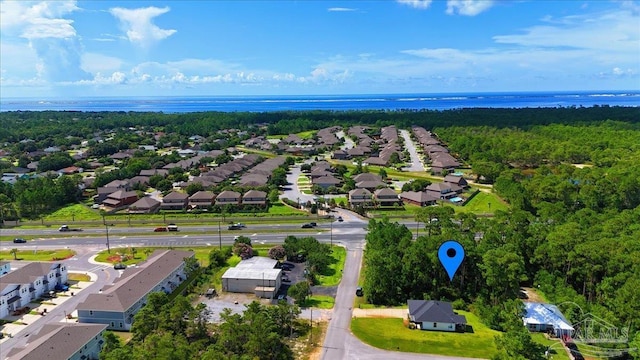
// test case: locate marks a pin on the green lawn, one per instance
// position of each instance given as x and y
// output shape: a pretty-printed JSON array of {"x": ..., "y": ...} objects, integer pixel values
[
  {"x": 306, "y": 134},
  {"x": 75, "y": 212},
  {"x": 319, "y": 301},
  {"x": 38, "y": 255},
  {"x": 333, "y": 275},
  {"x": 483, "y": 203},
  {"x": 391, "y": 334},
  {"x": 282, "y": 209},
  {"x": 557, "y": 351}
]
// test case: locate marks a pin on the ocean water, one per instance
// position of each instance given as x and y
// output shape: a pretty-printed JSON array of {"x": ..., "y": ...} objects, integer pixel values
[{"x": 329, "y": 102}]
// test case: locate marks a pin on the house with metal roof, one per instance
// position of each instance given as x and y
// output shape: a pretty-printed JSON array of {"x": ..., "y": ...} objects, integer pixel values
[
  {"x": 546, "y": 318},
  {"x": 117, "y": 304},
  {"x": 62, "y": 341}
]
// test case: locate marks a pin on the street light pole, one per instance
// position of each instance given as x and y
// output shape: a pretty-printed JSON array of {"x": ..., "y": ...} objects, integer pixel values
[
  {"x": 106, "y": 228},
  {"x": 331, "y": 232},
  {"x": 219, "y": 235}
]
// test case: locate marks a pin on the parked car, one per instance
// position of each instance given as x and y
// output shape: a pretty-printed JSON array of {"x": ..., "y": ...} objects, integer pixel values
[
  {"x": 62, "y": 287},
  {"x": 340, "y": 219},
  {"x": 95, "y": 206},
  {"x": 172, "y": 227},
  {"x": 287, "y": 267},
  {"x": 67, "y": 228},
  {"x": 160, "y": 229},
  {"x": 285, "y": 279},
  {"x": 120, "y": 266},
  {"x": 359, "y": 291},
  {"x": 19, "y": 240},
  {"x": 281, "y": 297},
  {"x": 307, "y": 226}
]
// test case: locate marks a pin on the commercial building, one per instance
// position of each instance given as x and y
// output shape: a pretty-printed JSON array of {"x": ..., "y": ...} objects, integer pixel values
[{"x": 257, "y": 275}]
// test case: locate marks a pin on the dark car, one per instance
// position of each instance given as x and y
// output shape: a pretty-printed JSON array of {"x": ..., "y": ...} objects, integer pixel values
[
  {"x": 313, "y": 223},
  {"x": 160, "y": 229},
  {"x": 359, "y": 291},
  {"x": 287, "y": 267},
  {"x": 120, "y": 266},
  {"x": 307, "y": 226},
  {"x": 340, "y": 219},
  {"x": 19, "y": 240},
  {"x": 234, "y": 227}
]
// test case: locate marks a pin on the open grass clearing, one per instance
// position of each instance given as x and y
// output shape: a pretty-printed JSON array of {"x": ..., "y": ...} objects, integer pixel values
[
  {"x": 391, "y": 334},
  {"x": 482, "y": 203},
  {"x": 74, "y": 212},
  {"x": 557, "y": 351},
  {"x": 267, "y": 154},
  {"x": 282, "y": 209},
  {"x": 304, "y": 135},
  {"x": 319, "y": 302},
  {"x": 78, "y": 277},
  {"x": 333, "y": 275},
  {"x": 38, "y": 255}
]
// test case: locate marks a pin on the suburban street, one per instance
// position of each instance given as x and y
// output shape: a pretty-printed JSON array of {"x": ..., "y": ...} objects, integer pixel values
[{"x": 416, "y": 164}]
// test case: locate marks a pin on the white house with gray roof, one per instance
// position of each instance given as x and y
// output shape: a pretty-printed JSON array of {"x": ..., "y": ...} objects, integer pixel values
[
  {"x": 62, "y": 341},
  {"x": 29, "y": 283},
  {"x": 5, "y": 267},
  {"x": 116, "y": 305}
]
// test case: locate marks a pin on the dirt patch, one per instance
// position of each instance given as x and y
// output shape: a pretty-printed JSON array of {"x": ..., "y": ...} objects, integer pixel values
[
  {"x": 380, "y": 313},
  {"x": 114, "y": 258},
  {"x": 530, "y": 294}
]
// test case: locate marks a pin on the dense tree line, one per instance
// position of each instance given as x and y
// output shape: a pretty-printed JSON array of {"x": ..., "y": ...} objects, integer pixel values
[{"x": 174, "y": 329}]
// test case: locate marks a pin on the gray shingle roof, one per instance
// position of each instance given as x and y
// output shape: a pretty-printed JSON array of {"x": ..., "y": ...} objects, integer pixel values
[
  {"x": 135, "y": 283},
  {"x": 433, "y": 311},
  {"x": 57, "y": 341}
]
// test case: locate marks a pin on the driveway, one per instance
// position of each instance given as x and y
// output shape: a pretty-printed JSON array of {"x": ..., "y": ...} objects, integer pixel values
[
  {"x": 348, "y": 143},
  {"x": 416, "y": 164}
]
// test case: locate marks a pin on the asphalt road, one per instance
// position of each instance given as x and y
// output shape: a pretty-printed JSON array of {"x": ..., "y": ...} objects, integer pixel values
[{"x": 416, "y": 164}]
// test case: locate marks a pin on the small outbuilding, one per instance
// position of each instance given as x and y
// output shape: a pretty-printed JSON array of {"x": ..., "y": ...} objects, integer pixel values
[{"x": 257, "y": 275}]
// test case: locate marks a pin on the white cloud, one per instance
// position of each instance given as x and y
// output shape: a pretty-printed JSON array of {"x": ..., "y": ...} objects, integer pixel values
[
  {"x": 340, "y": 9},
  {"x": 99, "y": 63},
  {"x": 418, "y": 4},
  {"x": 468, "y": 7},
  {"x": 138, "y": 25}
]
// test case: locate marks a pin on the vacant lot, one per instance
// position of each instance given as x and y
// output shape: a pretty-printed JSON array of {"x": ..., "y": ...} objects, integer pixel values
[
  {"x": 332, "y": 276},
  {"x": 37, "y": 255}
]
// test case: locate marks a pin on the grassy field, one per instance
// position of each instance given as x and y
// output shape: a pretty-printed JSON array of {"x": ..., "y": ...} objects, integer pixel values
[
  {"x": 333, "y": 275},
  {"x": 75, "y": 212},
  {"x": 78, "y": 277},
  {"x": 38, "y": 255},
  {"x": 391, "y": 334},
  {"x": 482, "y": 203},
  {"x": 319, "y": 301},
  {"x": 557, "y": 351},
  {"x": 284, "y": 210}
]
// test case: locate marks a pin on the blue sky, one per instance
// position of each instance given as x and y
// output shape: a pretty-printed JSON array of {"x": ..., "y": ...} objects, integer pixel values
[{"x": 171, "y": 48}]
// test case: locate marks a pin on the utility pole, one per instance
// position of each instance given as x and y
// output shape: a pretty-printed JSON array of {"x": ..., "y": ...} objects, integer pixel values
[
  {"x": 417, "y": 228},
  {"x": 106, "y": 228},
  {"x": 311, "y": 332},
  {"x": 331, "y": 232},
  {"x": 219, "y": 235}
]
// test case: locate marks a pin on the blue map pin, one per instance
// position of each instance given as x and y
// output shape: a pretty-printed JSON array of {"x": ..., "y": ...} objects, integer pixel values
[{"x": 451, "y": 254}]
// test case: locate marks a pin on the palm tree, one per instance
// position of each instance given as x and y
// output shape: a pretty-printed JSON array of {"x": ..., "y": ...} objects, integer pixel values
[
  {"x": 14, "y": 252},
  {"x": 133, "y": 252}
]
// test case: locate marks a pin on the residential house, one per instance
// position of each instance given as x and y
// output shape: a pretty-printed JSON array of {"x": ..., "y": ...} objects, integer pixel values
[
  {"x": 119, "y": 184},
  {"x": 152, "y": 172},
  {"x": 443, "y": 163},
  {"x": 326, "y": 182},
  {"x": 457, "y": 180},
  {"x": 70, "y": 170},
  {"x": 316, "y": 173},
  {"x": 420, "y": 198},
  {"x": 257, "y": 275},
  {"x": 120, "y": 198},
  {"x": 145, "y": 205},
  {"x": 442, "y": 190},
  {"x": 52, "y": 149},
  {"x": 28, "y": 283},
  {"x": 174, "y": 201},
  {"x": 254, "y": 197},
  {"x": 386, "y": 197},
  {"x": 103, "y": 192},
  {"x": 142, "y": 180},
  {"x": 341, "y": 155},
  {"x": 201, "y": 200},
  {"x": 371, "y": 185},
  {"x": 374, "y": 160},
  {"x": 360, "y": 197},
  {"x": 540, "y": 317},
  {"x": 435, "y": 315},
  {"x": 366, "y": 177},
  {"x": 117, "y": 304},
  {"x": 70, "y": 341},
  {"x": 228, "y": 197}
]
